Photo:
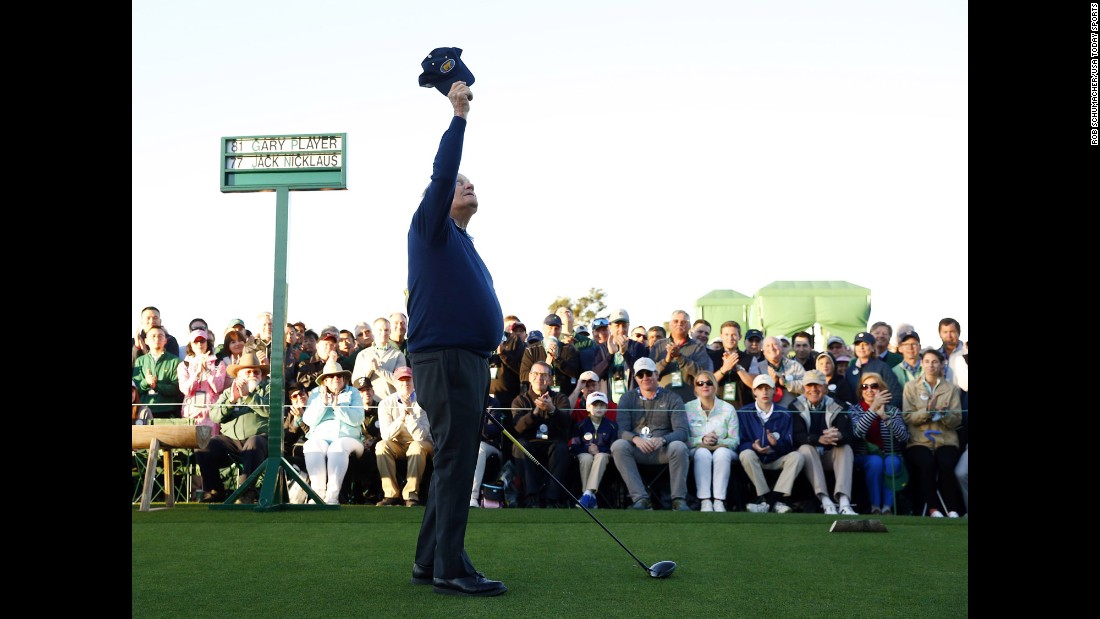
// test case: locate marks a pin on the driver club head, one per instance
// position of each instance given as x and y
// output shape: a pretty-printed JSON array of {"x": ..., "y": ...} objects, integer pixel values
[{"x": 662, "y": 569}]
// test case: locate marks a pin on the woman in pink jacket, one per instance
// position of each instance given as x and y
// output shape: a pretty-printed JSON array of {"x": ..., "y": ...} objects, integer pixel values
[{"x": 201, "y": 379}]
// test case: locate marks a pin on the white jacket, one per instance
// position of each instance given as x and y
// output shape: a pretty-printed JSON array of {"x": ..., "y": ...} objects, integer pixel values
[{"x": 394, "y": 416}]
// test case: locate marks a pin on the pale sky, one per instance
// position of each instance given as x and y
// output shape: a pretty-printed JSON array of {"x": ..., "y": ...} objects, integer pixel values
[{"x": 656, "y": 150}]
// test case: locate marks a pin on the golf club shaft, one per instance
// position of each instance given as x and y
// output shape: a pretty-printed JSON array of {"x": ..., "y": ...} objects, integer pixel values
[{"x": 564, "y": 489}]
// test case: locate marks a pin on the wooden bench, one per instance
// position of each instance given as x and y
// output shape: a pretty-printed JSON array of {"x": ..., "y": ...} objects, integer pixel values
[{"x": 165, "y": 437}]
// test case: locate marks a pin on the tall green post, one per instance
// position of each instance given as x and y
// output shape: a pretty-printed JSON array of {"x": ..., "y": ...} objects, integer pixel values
[{"x": 281, "y": 164}]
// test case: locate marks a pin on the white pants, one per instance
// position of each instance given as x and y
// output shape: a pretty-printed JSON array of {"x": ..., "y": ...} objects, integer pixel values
[
  {"x": 483, "y": 453},
  {"x": 712, "y": 469},
  {"x": 327, "y": 463},
  {"x": 592, "y": 469}
]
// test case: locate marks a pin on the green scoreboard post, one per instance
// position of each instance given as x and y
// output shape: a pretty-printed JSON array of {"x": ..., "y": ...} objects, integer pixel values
[{"x": 280, "y": 163}]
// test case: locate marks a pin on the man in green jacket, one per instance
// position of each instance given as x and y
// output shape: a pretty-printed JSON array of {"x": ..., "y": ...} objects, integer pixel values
[{"x": 243, "y": 411}]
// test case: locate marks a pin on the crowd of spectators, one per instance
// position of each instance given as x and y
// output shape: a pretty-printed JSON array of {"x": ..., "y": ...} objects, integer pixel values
[{"x": 751, "y": 417}]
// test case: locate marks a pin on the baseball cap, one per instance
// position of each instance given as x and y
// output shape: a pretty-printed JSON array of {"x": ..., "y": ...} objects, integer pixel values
[
  {"x": 327, "y": 335},
  {"x": 843, "y": 359},
  {"x": 552, "y": 320},
  {"x": 196, "y": 334},
  {"x": 443, "y": 67},
  {"x": 600, "y": 322},
  {"x": 751, "y": 333},
  {"x": 911, "y": 334},
  {"x": 645, "y": 363},
  {"x": 580, "y": 329},
  {"x": 763, "y": 379},
  {"x": 813, "y": 377},
  {"x": 619, "y": 315},
  {"x": 783, "y": 338},
  {"x": 534, "y": 336},
  {"x": 589, "y": 375},
  {"x": 595, "y": 396},
  {"x": 236, "y": 322},
  {"x": 864, "y": 337},
  {"x": 402, "y": 373},
  {"x": 834, "y": 339},
  {"x": 362, "y": 383}
]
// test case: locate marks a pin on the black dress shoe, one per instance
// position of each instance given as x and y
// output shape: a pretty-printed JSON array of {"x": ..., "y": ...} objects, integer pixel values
[
  {"x": 390, "y": 501},
  {"x": 468, "y": 585},
  {"x": 424, "y": 575}
]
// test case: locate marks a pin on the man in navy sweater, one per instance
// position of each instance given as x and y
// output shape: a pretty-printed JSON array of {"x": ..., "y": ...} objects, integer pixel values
[
  {"x": 767, "y": 444},
  {"x": 449, "y": 352}
]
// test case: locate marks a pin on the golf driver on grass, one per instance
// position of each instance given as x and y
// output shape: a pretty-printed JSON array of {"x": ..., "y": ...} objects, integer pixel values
[{"x": 660, "y": 569}]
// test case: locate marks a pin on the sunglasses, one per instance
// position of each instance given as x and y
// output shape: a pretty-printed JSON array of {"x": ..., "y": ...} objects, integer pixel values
[
  {"x": 704, "y": 383},
  {"x": 644, "y": 373},
  {"x": 875, "y": 386}
]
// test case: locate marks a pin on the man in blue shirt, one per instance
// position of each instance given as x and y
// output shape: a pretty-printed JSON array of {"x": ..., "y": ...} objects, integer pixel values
[{"x": 449, "y": 351}]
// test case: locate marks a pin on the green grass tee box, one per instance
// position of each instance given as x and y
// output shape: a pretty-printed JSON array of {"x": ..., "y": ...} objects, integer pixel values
[{"x": 191, "y": 561}]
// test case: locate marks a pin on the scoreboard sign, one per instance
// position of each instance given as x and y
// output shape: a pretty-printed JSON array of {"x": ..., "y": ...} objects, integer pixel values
[{"x": 299, "y": 162}]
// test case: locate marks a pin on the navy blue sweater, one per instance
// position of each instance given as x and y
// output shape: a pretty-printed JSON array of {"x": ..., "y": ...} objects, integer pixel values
[
  {"x": 751, "y": 429},
  {"x": 452, "y": 302}
]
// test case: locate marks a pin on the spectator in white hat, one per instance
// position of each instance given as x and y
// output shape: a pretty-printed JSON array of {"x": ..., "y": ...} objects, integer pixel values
[
  {"x": 588, "y": 384},
  {"x": 653, "y": 430},
  {"x": 835, "y": 345},
  {"x": 766, "y": 442},
  {"x": 334, "y": 415},
  {"x": 591, "y": 443},
  {"x": 823, "y": 433}
]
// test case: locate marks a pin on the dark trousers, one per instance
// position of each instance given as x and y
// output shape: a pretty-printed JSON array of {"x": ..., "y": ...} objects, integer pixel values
[
  {"x": 932, "y": 470},
  {"x": 452, "y": 386},
  {"x": 555, "y": 456},
  {"x": 216, "y": 454}
]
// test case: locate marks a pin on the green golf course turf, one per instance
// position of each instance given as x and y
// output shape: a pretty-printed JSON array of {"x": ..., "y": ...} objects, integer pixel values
[{"x": 191, "y": 561}]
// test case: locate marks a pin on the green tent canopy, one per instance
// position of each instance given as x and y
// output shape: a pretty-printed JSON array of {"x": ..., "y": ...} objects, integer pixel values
[
  {"x": 785, "y": 308},
  {"x": 718, "y": 306}
]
